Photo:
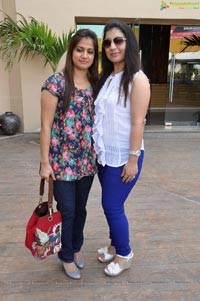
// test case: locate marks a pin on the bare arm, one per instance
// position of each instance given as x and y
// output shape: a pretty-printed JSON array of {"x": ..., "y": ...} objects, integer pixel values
[
  {"x": 140, "y": 96},
  {"x": 48, "y": 108}
]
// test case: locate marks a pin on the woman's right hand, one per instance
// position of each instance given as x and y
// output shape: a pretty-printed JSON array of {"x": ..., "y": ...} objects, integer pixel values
[{"x": 46, "y": 171}]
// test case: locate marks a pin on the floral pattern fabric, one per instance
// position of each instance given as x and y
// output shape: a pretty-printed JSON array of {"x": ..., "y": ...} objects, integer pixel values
[{"x": 71, "y": 152}]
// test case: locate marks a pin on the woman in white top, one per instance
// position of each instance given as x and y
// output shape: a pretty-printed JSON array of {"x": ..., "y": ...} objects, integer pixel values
[{"x": 121, "y": 106}]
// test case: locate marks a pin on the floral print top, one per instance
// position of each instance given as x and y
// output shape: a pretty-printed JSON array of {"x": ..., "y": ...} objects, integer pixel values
[{"x": 71, "y": 152}]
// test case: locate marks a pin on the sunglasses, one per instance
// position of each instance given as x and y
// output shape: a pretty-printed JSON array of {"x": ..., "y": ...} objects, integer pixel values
[{"x": 117, "y": 41}]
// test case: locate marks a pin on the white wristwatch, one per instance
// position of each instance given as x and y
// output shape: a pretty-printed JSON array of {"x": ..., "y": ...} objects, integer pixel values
[{"x": 135, "y": 153}]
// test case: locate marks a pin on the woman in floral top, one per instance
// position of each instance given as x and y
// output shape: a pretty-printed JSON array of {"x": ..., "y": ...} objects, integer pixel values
[{"x": 66, "y": 147}]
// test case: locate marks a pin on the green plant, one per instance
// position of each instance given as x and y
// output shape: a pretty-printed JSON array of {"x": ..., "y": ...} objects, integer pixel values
[
  {"x": 27, "y": 38},
  {"x": 190, "y": 42}
]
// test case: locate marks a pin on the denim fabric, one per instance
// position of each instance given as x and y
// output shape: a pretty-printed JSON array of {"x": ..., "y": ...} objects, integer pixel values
[
  {"x": 71, "y": 198},
  {"x": 114, "y": 195}
]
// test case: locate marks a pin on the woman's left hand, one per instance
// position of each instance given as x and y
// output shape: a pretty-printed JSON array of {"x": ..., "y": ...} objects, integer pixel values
[{"x": 129, "y": 172}]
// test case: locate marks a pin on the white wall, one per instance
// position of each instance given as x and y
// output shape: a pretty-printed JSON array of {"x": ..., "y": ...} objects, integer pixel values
[
  {"x": 4, "y": 90},
  {"x": 61, "y": 15},
  {"x": 20, "y": 89},
  {"x": 32, "y": 77},
  {"x": 4, "y": 82}
]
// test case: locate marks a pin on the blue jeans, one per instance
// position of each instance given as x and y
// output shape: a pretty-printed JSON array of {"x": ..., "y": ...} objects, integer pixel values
[
  {"x": 114, "y": 195},
  {"x": 71, "y": 198}
]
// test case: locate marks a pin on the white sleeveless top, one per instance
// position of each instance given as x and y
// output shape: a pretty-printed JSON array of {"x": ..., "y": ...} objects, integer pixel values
[{"x": 112, "y": 125}]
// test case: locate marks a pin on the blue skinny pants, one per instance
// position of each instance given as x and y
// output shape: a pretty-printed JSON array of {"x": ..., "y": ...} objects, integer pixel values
[
  {"x": 71, "y": 198},
  {"x": 114, "y": 195}
]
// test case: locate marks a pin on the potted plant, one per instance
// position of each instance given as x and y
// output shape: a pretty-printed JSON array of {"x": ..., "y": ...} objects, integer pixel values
[{"x": 27, "y": 38}]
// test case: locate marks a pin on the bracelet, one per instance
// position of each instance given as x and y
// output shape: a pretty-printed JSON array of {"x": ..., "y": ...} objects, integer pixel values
[{"x": 135, "y": 153}]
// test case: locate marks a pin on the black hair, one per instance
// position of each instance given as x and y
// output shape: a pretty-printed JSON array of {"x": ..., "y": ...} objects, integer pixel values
[
  {"x": 132, "y": 57},
  {"x": 68, "y": 69}
]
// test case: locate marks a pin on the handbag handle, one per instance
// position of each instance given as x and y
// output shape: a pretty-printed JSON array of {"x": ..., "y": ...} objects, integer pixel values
[{"x": 50, "y": 192}]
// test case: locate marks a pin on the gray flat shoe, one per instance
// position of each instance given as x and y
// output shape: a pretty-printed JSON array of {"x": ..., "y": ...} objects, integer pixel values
[
  {"x": 80, "y": 263},
  {"x": 74, "y": 275}
]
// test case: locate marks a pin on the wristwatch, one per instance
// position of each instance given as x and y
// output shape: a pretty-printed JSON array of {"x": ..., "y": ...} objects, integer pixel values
[{"x": 135, "y": 153}]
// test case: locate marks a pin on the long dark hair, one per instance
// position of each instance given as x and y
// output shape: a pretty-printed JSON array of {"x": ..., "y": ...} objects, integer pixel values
[
  {"x": 68, "y": 69},
  {"x": 132, "y": 58}
]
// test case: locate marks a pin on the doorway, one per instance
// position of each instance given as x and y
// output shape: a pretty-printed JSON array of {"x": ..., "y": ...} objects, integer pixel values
[{"x": 174, "y": 75}]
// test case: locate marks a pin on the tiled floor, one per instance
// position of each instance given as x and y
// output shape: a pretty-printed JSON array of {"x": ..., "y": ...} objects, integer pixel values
[{"x": 164, "y": 218}]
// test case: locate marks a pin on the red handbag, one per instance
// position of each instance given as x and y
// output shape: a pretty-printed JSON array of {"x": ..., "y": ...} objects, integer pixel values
[{"x": 43, "y": 229}]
